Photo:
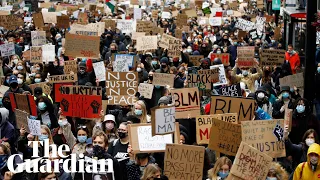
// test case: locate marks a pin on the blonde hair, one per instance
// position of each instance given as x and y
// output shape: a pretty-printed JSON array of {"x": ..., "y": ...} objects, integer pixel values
[
  {"x": 212, "y": 173},
  {"x": 143, "y": 117},
  {"x": 280, "y": 172},
  {"x": 48, "y": 132},
  {"x": 150, "y": 172}
]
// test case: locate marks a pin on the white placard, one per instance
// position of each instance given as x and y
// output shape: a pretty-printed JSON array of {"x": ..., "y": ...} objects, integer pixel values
[
  {"x": 38, "y": 38},
  {"x": 100, "y": 71},
  {"x": 34, "y": 126},
  {"x": 137, "y": 13},
  {"x": 215, "y": 21},
  {"x": 125, "y": 26},
  {"x": 27, "y": 19},
  {"x": 122, "y": 62},
  {"x": 7, "y": 49},
  {"x": 147, "y": 142},
  {"x": 165, "y": 15},
  {"x": 146, "y": 90},
  {"x": 165, "y": 120},
  {"x": 245, "y": 25},
  {"x": 48, "y": 53},
  {"x": 222, "y": 75}
]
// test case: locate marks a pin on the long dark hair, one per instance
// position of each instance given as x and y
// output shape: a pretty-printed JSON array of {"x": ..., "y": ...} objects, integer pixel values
[
  {"x": 307, "y": 133},
  {"x": 48, "y": 102}
]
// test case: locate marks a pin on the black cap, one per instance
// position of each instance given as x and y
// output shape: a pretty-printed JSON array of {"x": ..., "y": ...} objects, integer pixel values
[{"x": 38, "y": 91}]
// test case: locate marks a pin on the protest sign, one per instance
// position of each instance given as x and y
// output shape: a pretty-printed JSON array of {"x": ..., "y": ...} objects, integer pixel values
[
  {"x": 144, "y": 26},
  {"x": 82, "y": 46},
  {"x": 23, "y": 102},
  {"x": 38, "y": 19},
  {"x": 250, "y": 163},
  {"x": 175, "y": 46},
  {"x": 34, "y": 127},
  {"x": 182, "y": 20},
  {"x": 242, "y": 34},
  {"x": 191, "y": 13},
  {"x": 163, "y": 120},
  {"x": 36, "y": 54},
  {"x": 125, "y": 26},
  {"x": 110, "y": 23},
  {"x": 80, "y": 90},
  {"x": 244, "y": 24},
  {"x": 45, "y": 88},
  {"x": 26, "y": 55},
  {"x": 100, "y": 71},
  {"x": 225, "y": 137},
  {"x": 49, "y": 17},
  {"x": 7, "y": 49},
  {"x": 189, "y": 158},
  {"x": 211, "y": 74},
  {"x": 146, "y": 90},
  {"x": 272, "y": 57},
  {"x": 123, "y": 62},
  {"x": 195, "y": 59},
  {"x": 296, "y": 80},
  {"x": 288, "y": 119},
  {"x": 222, "y": 75},
  {"x": 233, "y": 90},
  {"x": 245, "y": 108},
  {"x": 178, "y": 33},
  {"x": 48, "y": 53},
  {"x": 82, "y": 18},
  {"x": 63, "y": 21},
  {"x": 147, "y": 43},
  {"x": 163, "y": 79},
  {"x": 121, "y": 87},
  {"x": 204, "y": 124},
  {"x": 3, "y": 89},
  {"x": 137, "y": 13},
  {"x": 70, "y": 66},
  {"x": 82, "y": 106},
  {"x": 203, "y": 78},
  {"x": 11, "y": 22},
  {"x": 246, "y": 56},
  {"x": 253, "y": 34},
  {"x": 187, "y": 102},
  {"x": 27, "y": 19},
  {"x": 141, "y": 139},
  {"x": 56, "y": 90},
  {"x": 135, "y": 35},
  {"x": 266, "y": 136},
  {"x": 165, "y": 15},
  {"x": 164, "y": 42},
  {"x": 22, "y": 119},
  {"x": 63, "y": 78},
  {"x": 215, "y": 21}
]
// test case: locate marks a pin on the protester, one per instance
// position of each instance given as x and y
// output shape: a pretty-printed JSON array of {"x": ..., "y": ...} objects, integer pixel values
[{"x": 221, "y": 169}]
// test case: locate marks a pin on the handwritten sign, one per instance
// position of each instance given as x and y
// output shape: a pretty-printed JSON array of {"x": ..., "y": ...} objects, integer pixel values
[
  {"x": 100, "y": 71},
  {"x": 63, "y": 21},
  {"x": 146, "y": 90},
  {"x": 125, "y": 26},
  {"x": 63, "y": 78},
  {"x": 7, "y": 49},
  {"x": 162, "y": 79},
  {"x": 144, "y": 26},
  {"x": 266, "y": 136},
  {"x": 222, "y": 75},
  {"x": 49, "y": 17},
  {"x": 11, "y": 22},
  {"x": 48, "y": 53},
  {"x": 225, "y": 58},
  {"x": 234, "y": 90},
  {"x": 38, "y": 19},
  {"x": 204, "y": 124},
  {"x": 147, "y": 43},
  {"x": 250, "y": 163},
  {"x": 293, "y": 80},
  {"x": 288, "y": 119},
  {"x": 195, "y": 59},
  {"x": 22, "y": 119},
  {"x": 187, "y": 102},
  {"x": 70, "y": 66},
  {"x": 225, "y": 137},
  {"x": 82, "y": 18},
  {"x": 123, "y": 62},
  {"x": 163, "y": 120},
  {"x": 272, "y": 57},
  {"x": 82, "y": 46},
  {"x": 182, "y": 20},
  {"x": 246, "y": 56},
  {"x": 36, "y": 54},
  {"x": 191, "y": 158},
  {"x": 45, "y": 88},
  {"x": 34, "y": 127},
  {"x": 243, "y": 107},
  {"x": 109, "y": 23},
  {"x": 245, "y": 25},
  {"x": 81, "y": 90}
]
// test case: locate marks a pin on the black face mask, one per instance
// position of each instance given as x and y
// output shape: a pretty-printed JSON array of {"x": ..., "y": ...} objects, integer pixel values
[
  {"x": 113, "y": 51},
  {"x": 99, "y": 152},
  {"x": 109, "y": 37},
  {"x": 163, "y": 66},
  {"x": 14, "y": 85},
  {"x": 7, "y": 105},
  {"x": 122, "y": 135},
  {"x": 150, "y": 78},
  {"x": 142, "y": 155}
]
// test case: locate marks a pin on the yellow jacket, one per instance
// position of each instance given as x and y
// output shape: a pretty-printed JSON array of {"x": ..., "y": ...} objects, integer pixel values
[{"x": 304, "y": 170}]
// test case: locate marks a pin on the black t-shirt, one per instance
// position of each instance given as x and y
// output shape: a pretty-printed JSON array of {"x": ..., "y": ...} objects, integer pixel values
[{"x": 119, "y": 151}]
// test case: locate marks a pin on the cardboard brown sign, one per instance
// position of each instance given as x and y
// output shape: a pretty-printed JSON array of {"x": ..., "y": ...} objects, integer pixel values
[
  {"x": 288, "y": 119},
  {"x": 182, "y": 20},
  {"x": 146, "y": 90},
  {"x": 195, "y": 59},
  {"x": 38, "y": 20},
  {"x": 11, "y": 22},
  {"x": 82, "y": 46},
  {"x": 36, "y": 54},
  {"x": 144, "y": 26},
  {"x": 109, "y": 23},
  {"x": 296, "y": 80},
  {"x": 225, "y": 58},
  {"x": 147, "y": 43},
  {"x": 70, "y": 66},
  {"x": 272, "y": 57},
  {"x": 45, "y": 88},
  {"x": 63, "y": 78},
  {"x": 187, "y": 102},
  {"x": 63, "y": 21},
  {"x": 26, "y": 55},
  {"x": 82, "y": 18},
  {"x": 163, "y": 79},
  {"x": 155, "y": 14},
  {"x": 22, "y": 119},
  {"x": 246, "y": 56},
  {"x": 178, "y": 33}
]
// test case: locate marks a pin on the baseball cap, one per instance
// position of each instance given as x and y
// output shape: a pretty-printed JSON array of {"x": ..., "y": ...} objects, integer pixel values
[
  {"x": 13, "y": 79},
  {"x": 37, "y": 91}
]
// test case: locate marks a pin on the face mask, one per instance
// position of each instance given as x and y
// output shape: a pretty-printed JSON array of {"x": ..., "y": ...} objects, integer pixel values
[
  {"x": 37, "y": 80},
  {"x": 189, "y": 40},
  {"x": 82, "y": 139},
  {"x": 271, "y": 178},
  {"x": 42, "y": 106},
  {"x": 189, "y": 50},
  {"x": 7, "y": 81},
  {"x": 62, "y": 123},
  {"x": 309, "y": 141},
  {"x": 109, "y": 126},
  {"x": 154, "y": 62},
  {"x": 138, "y": 112},
  {"x": 222, "y": 174},
  {"x": 318, "y": 69},
  {"x": 300, "y": 108},
  {"x": 19, "y": 67},
  {"x": 82, "y": 71},
  {"x": 15, "y": 61},
  {"x": 38, "y": 69},
  {"x": 157, "y": 86},
  {"x": 261, "y": 95},
  {"x": 163, "y": 66},
  {"x": 139, "y": 69},
  {"x": 0, "y": 101},
  {"x": 314, "y": 160},
  {"x": 245, "y": 73},
  {"x": 218, "y": 52},
  {"x": 235, "y": 43},
  {"x": 43, "y": 137},
  {"x": 150, "y": 78},
  {"x": 20, "y": 81},
  {"x": 32, "y": 74},
  {"x": 14, "y": 85},
  {"x": 273, "y": 41},
  {"x": 3, "y": 160},
  {"x": 122, "y": 135},
  {"x": 285, "y": 95}
]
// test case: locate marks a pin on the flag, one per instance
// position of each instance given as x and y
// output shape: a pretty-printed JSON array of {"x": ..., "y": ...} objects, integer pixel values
[{"x": 111, "y": 5}]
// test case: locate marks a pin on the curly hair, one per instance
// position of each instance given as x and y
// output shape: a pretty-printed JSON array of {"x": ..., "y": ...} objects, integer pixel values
[{"x": 279, "y": 171}]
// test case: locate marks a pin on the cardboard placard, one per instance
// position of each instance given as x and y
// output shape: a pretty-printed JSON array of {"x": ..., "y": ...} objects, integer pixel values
[
  {"x": 34, "y": 127},
  {"x": 234, "y": 90},
  {"x": 146, "y": 90},
  {"x": 175, "y": 45},
  {"x": 147, "y": 43},
  {"x": 277, "y": 33},
  {"x": 22, "y": 119},
  {"x": 245, "y": 108},
  {"x": 288, "y": 119},
  {"x": 212, "y": 75},
  {"x": 246, "y": 56},
  {"x": 63, "y": 21},
  {"x": 135, "y": 35},
  {"x": 225, "y": 137},
  {"x": 163, "y": 120},
  {"x": 11, "y": 22},
  {"x": 36, "y": 54},
  {"x": 293, "y": 80},
  {"x": 81, "y": 90},
  {"x": 225, "y": 58},
  {"x": 82, "y": 106},
  {"x": 191, "y": 13},
  {"x": 222, "y": 75},
  {"x": 82, "y": 46},
  {"x": 45, "y": 88},
  {"x": 3, "y": 89},
  {"x": 191, "y": 158},
  {"x": 266, "y": 136},
  {"x": 100, "y": 71},
  {"x": 272, "y": 57},
  {"x": 23, "y": 102},
  {"x": 187, "y": 102},
  {"x": 48, "y": 53},
  {"x": 242, "y": 34},
  {"x": 109, "y": 23},
  {"x": 142, "y": 141},
  {"x": 247, "y": 161},
  {"x": 163, "y": 79},
  {"x": 182, "y": 20},
  {"x": 125, "y": 26},
  {"x": 63, "y": 78},
  {"x": 70, "y": 66},
  {"x": 178, "y": 33},
  {"x": 253, "y": 34},
  {"x": 195, "y": 59},
  {"x": 204, "y": 124},
  {"x": 82, "y": 18},
  {"x": 121, "y": 87},
  {"x": 245, "y": 25},
  {"x": 7, "y": 49},
  {"x": 123, "y": 62},
  {"x": 26, "y": 55},
  {"x": 49, "y": 17}
]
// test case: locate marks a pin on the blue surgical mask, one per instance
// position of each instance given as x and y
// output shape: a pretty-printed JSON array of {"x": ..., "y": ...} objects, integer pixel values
[
  {"x": 19, "y": 67},
  {"x": 273, "y": 41},
  {"x": 43, "y": 137},
  {"x": 271, "y": 178},
  {"x": 157, "y": 86},
  {"x": 62, "y": 123},
  {"x": 42, "y": 106},
  {"x": 37, "y": 80},
  {"x": 300, "y": 108},
  {"x": 7, "y": 81},
  {"x": 0, "y": 101},
  {"x": 235, "y": 43},
  {"x": 82, "y": 139},
  {"x": 318, "y": 69},
  {"x": 223, "y": 175},
  {"x": 245, "y": 73},
  {"x": 32, "y": 74},
  {"x": 154, "y": 62},
  {"x": 138, "y": 112},
  {"x": 3, "y": 160},
  {"x": 285, "y": 95}
]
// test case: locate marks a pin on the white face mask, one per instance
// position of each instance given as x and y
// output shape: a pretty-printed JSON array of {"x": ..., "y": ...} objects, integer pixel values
[
  {"x": 309, "y": 141},
  {"x": 271, "y": 178},
  {"x": 20, "y": 81},
  {"x": 15, "y": 61},
  {"x": 139, "y": 69},
  {"x": 261, "y": 95}
]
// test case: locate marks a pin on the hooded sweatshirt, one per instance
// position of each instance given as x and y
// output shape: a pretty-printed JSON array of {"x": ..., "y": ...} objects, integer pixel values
[{"x": 6, "y": 128}]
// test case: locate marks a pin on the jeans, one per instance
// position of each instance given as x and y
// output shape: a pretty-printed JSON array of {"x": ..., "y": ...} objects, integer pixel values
[{"x": 317, "y": 105}]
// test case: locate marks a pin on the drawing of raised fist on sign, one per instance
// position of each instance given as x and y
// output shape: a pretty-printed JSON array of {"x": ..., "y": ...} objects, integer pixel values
[
  {"x": 65, "y": 104},
  {"x": 95, "y": 107},
  {"x": 278, "y": 132}
]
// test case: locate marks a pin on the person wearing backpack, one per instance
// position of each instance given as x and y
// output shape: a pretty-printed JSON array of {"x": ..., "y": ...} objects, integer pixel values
[{"x": 310, "y": 169}]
